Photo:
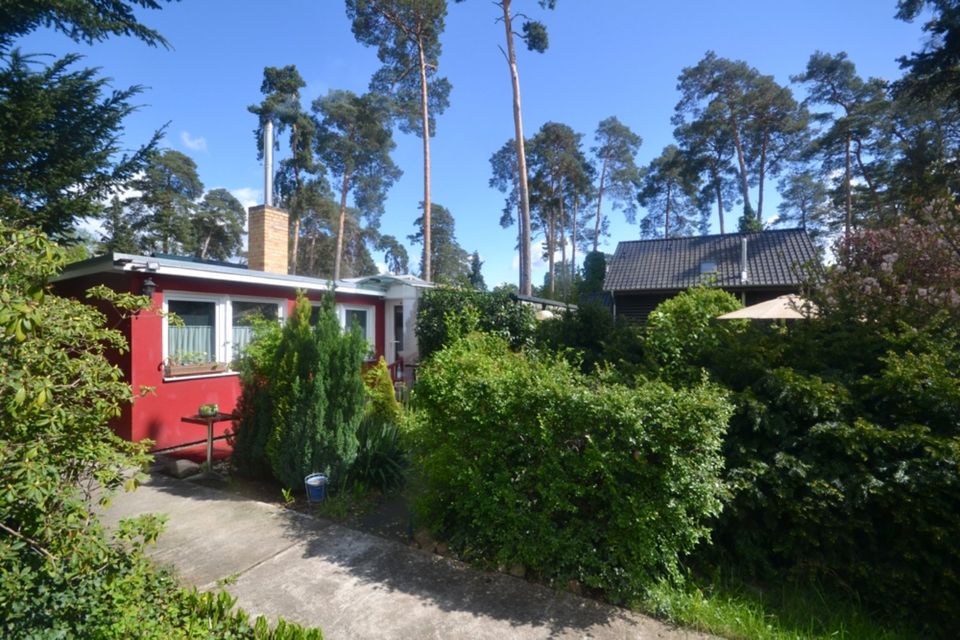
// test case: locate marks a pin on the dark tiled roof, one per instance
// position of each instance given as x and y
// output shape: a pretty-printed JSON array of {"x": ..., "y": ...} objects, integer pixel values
[{"x": 773, "y": 259}]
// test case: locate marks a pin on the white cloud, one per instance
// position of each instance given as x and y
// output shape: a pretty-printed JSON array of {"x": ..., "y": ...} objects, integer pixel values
[
  {"x": 195, "y": 144},
  {"x": 248, "y": 196}
]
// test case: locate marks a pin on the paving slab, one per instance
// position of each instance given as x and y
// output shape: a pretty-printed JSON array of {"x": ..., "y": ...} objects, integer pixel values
[{"x": 281, "y": 563}]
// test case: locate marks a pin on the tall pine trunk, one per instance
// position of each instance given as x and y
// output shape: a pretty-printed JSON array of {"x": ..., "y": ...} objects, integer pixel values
[
  {"x": 596, "y": 226},
  {"x": 344, "y": 189},
  {"x": 849, "y": 189},
  {"x": 666, "y": 213},
  {"x": 526, "y": 262},
  {"x": 427, "y": 209},
  {"x": 294, "y": 141},
  {"x": 718, "y": 189},
  {"x": 573, "y": 234},
  {"x": 562, "y": 223},
  {"x": 742, "y": 164},
  {"x": 760, "y": 177}
]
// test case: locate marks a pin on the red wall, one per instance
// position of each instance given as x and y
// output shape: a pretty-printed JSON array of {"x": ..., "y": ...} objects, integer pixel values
[{"x": 158, "y": 413}]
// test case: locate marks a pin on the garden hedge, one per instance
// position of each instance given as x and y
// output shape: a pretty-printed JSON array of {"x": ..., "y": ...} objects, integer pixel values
[{"x": 528, "y": 462}]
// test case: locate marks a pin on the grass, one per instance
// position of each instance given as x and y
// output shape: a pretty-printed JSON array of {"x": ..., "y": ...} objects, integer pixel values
[{"x": 729, "y": 608}]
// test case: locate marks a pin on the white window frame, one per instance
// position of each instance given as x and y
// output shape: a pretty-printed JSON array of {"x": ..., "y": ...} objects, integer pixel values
[
  {"x": 371, "y": 328},
  {"x": 223, "y": 324}
]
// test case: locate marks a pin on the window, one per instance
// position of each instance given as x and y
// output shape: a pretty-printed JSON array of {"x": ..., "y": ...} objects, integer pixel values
[
  {"x": 193, "y": 343},
  {"x": 244, "y": 314},
  {"x": 363, "y": 317},
  {"x": 213, "y": 330}
]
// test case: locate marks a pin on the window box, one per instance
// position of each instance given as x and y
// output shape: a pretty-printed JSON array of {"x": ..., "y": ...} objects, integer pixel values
[{"x": 173, "y": 370}]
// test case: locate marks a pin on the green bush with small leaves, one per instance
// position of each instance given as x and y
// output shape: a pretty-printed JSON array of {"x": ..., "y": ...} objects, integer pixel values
[{"x": 527, "y": 461}]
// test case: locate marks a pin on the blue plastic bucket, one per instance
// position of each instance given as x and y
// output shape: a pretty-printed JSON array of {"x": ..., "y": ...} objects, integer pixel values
[{"x": 316, "y": 484}]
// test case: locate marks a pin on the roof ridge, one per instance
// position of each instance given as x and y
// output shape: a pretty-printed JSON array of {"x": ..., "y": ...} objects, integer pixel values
[{"x": 715, "y": 235}]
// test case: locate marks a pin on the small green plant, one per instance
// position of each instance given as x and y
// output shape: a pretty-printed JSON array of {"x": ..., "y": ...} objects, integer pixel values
[
  {"x": 381, "y": 460},
  {"x": 287, "y": 494}
]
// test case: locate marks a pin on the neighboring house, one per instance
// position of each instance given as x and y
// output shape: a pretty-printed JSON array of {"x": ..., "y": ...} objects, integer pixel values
[
  {"x": 181, "y": 367},
  {"x": 753, "y": 266}
]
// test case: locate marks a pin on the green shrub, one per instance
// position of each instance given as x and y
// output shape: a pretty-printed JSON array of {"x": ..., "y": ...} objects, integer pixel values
[
  {"x": 302, "y": 399},
  {"x": 381, "y": 460},
  {"x": 446, "y": 314},
  {"x": 61, "y": 574},
  {"x": 589, "y": 336},
  {"x": 382, "y": 397},
  {"x": 683, "y": 334},
  {"x": 846, "y": 475},
  {"x": 527, "y": 461}
]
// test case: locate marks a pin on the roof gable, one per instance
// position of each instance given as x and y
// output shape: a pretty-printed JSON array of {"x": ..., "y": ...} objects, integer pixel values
[{"x": 774, "y": 259}]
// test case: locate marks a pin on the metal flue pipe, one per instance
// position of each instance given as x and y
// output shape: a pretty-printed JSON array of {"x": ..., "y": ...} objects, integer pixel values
[{"x": 268, "y": 163}]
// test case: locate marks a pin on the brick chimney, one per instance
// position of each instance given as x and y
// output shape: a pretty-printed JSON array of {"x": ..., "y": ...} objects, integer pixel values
[{"x": 268, "y": 235}]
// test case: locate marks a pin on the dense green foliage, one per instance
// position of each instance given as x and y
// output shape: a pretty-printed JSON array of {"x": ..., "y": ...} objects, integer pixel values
[
  {"x": 381, "y": 460},
  {"x": 302, "y": 398},
  {"x": 526, "y": 461},
  {"x": 843, "y": 452},
  {"x": 445, "y": 315},
  {"x": 58, "y": 142},
  {"x": 61, "y": 573},
  {"x": 450, "y": 263},
  {"x": 682, "y": 333},
  {"x": 590, "y": 337}
]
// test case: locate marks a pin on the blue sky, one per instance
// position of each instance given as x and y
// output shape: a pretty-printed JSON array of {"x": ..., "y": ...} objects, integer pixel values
[{"x": 606, "y": 57}]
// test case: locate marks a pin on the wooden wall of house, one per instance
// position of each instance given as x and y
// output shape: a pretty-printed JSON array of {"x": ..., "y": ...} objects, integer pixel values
[{"x": 637, "y": 306}]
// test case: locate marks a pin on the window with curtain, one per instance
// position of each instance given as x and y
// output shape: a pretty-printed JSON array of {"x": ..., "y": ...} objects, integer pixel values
[
  {"x": 193, "y": 342},
  {"x": 244, "y": 315},
  {"x": 356, "y": 317}
]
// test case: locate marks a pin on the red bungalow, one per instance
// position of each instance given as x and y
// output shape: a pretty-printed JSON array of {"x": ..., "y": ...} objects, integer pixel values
[{"x": 183, "y": 367}]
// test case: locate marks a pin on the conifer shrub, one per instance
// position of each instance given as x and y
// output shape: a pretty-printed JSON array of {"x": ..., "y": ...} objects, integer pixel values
[
  {"x": 382, "y": 397},
  {"x": 527, "y": 461},
  {"x": 302, "y": 399}
]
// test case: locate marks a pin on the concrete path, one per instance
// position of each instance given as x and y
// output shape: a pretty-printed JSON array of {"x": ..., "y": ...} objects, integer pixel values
[{"x": 278, "y": 562}]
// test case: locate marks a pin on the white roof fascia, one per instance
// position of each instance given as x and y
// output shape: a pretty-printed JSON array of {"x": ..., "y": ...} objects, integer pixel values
[{"x": 134, "y": 263}]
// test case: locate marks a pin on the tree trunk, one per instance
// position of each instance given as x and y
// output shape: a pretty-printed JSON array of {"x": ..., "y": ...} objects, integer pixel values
[
  {"x": 596, "y": 227},
  {"x": 526, "y": 263},
  {"x": 573, "y": 234},
  {"x": 760, "y": 176},
  {"x": 666, "y": 213},
  {"x": 742, "y": 163},
  {"x": 719, "y": 191},
  {"x": 344, "y": 189},
  {"x": 849, "y": 189},
  {"x": 205, "y": 247},
  {"x": 563, "y": 238},
  {"x": 866, "y": 177},
  {"x": 551, "y": 245},
  {"x": 294, "y": 140},
  {"x": 427, "y": 209}
]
